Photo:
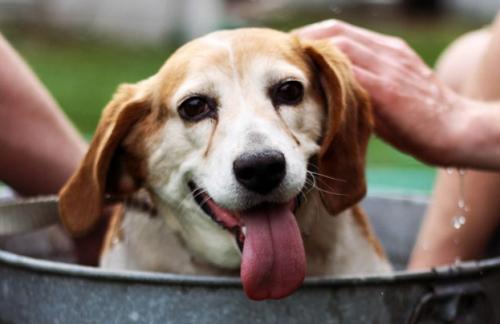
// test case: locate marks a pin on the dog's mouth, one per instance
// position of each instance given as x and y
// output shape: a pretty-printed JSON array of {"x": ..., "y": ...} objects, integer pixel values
[
  {"x": 227, "y": 220},
  {"x": 273, "y": 258}
]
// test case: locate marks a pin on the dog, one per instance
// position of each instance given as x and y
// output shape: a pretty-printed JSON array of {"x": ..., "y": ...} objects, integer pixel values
[{"x": 251, "y": 146}]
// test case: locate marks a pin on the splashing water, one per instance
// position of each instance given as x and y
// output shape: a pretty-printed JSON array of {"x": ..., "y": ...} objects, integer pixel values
[{"x": 459, "y": 219}]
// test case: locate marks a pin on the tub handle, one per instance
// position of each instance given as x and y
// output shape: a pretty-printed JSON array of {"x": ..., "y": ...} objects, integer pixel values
[{"x": 458, "y": 303}]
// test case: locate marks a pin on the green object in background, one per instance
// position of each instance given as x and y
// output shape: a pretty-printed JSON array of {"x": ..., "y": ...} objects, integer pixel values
[
  {"x": 390, "y": 171},
  {"x": 83, "y": 73},
  {"x": 400, "y": 180}
]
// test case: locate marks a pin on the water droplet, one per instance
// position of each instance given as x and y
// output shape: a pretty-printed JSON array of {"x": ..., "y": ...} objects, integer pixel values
[
  {"x": 134, "y": 316},
  {"x": 457, "y": 260},
  {"x": 458, "y": 221},
  {"x": 336, "y": 10},
  {"x": 461, "y": 172},
  {"x": 450, "y": 170},
  {"x": 461, "y": 204}
]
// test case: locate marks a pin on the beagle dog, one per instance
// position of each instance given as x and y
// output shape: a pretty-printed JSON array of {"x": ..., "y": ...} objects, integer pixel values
[{"x": 251, "y": 146}]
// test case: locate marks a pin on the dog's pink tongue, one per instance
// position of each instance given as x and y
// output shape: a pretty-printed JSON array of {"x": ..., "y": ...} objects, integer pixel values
[{"x": 274, "y": 262}]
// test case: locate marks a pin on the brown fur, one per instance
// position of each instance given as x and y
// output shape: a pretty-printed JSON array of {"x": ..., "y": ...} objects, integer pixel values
[
  {"x": 137, "y": 112},
  {"x": 81, "y": 199},
  {"x": 114, "y": 229},
  {"x": 119, "y": 142},
  {"x": 348, "y": 128}
]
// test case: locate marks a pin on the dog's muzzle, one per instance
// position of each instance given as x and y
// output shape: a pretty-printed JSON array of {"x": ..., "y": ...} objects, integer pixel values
[{"x": 273, "y": 257}]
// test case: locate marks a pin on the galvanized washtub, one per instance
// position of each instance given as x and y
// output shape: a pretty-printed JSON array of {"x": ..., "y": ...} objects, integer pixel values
[{"x": 41, "y": 291}]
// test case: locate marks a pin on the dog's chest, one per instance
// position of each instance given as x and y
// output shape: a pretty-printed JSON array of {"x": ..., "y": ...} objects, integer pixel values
[{"x": 152, "y": 244}]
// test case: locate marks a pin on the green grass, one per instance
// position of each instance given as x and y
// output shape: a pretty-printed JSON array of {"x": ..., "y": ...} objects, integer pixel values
[{"x": 82, "y": 74}]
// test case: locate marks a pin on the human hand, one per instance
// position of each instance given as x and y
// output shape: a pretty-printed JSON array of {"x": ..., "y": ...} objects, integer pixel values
[{"x": 413, "y": 109}]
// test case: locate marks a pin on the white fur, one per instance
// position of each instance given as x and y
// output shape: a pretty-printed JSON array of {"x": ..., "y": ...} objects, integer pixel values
[
  {"x": 183, "y": 239},
  {"x": 150, "y": 244}
]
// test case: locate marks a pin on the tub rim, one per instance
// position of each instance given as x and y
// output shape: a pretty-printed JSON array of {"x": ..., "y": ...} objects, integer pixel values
[
  {"x": 466, "y": 269},
  {"x": 459, "y": 270}
]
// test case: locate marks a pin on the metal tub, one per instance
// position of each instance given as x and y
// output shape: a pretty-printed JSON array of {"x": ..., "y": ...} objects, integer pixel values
[{"x": 42, "y": 291}]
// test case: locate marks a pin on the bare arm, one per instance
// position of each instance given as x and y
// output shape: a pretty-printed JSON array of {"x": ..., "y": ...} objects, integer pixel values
[
  {"x": 414, "y": 110},
  {"x": 39, "y": 148},
  {"x": 471, "y": 74}
]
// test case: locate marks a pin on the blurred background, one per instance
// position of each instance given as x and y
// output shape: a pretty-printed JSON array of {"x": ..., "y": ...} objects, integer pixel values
[{"x": 81, "y": 50}]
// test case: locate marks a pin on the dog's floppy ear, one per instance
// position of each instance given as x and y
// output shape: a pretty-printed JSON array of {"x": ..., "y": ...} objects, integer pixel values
[
  {"x": 347, "y": 128},
  {"x": 81, "y": 198}
]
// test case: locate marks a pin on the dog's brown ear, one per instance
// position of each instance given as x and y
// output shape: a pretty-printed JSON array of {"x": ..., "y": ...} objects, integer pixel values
[
  {"x": 81, "y": 198},
  {"x": 347, "y": 128}
]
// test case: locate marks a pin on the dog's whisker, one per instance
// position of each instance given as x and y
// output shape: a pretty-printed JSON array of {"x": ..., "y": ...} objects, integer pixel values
[
  {"x": 330, "y": 192},
  {"x": 315, "y": 186},
  {"x": 309, "y": 185},
  {"x": 324, "y": 184},
  {"x": 327, "y": 177},
  {"x": 199, "y": 193},
  {"x": 303, "y": 196},
  {"x": 198, "y": 190},
  {"x": 312, "y": 166},
  {"x": 195, "y": 193},
  {"x": 309, "y": 181},
  {"x": 183, "y": 201},
  {"x": 205, "y": 199}
]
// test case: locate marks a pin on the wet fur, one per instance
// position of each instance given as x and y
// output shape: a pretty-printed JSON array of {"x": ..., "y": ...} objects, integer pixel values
[{"x": 142, "y": 143}]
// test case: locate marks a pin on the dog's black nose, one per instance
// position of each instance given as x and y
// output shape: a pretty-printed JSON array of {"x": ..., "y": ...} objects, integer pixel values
[{"x": 260, "y": 172}]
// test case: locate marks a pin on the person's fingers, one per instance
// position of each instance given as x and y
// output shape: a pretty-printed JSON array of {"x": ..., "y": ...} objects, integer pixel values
[
  {"x": 415, "y": 78},
  {"x": 319, "y": 30},
  {"x": 368, "y": 80},
  {"x": 357, "y": 53},
  {"x": 377, "y": 87},
  {"x": 371, "y": 60},
  {"x": 332, "y": 27}
]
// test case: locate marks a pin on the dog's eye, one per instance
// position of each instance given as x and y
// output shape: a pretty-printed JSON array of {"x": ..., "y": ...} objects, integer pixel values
[
  {"x": 196, "y": 108},
  {"x": 288, "y": 93}
]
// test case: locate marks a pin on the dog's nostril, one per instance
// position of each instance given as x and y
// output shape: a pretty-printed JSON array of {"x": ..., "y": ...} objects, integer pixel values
[
  {"x": 275, "y": 167},
  {"x": 260, "y": 172},
  {"x": 246, "y": 173}
]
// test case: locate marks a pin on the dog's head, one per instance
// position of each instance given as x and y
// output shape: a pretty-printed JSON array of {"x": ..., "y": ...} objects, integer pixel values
[{"x": 225, "y": 137}]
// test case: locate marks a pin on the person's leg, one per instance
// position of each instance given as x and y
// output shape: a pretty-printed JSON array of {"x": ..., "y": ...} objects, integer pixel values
[{"x": 469, "y": 68}]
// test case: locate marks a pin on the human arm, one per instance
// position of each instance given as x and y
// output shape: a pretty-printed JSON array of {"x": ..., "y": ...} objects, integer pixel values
[
  {"x": 39, "y": 148},
  {"x": 414, "y": 110},
  {"x": 473, "y": 75}
]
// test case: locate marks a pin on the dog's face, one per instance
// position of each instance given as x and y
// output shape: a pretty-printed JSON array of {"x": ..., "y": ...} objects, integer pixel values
[{"x": 224, "y": 137}]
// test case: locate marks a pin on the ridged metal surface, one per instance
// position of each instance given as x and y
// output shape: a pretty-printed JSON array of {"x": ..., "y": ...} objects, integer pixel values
[{"x": 38, "y": 291}]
